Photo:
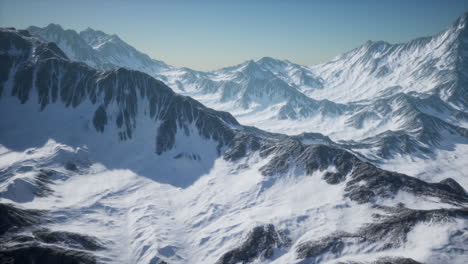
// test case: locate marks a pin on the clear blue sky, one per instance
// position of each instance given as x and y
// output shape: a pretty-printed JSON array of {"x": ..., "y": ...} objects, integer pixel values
[{"x": 209, "y": 34}]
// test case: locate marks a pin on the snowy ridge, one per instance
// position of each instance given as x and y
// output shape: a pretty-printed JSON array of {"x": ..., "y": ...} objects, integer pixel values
[
  {"x": 98, "y": 49},
  {"x": 120, "y": 169},
  {"x": 252, "y": 87},
  {"x": 430, "y": 64},
  {"x": 70, "y": 42},
  {"x": 393, "y": 100}
]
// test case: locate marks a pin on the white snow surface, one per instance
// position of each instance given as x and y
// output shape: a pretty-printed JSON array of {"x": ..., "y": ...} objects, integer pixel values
[{"x": 141, "y": 219}]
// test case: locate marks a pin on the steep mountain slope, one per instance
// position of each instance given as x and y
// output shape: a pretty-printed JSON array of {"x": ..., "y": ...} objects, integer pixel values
[
  {"x": 98, "y": 50},
  {"x": 296, "y": 75},
  {"x": 411, "y": 101},
  {"x": 117, "y": 100},
  {"x": 114, "y": 167},
  {"x": 435, "y": 65},
  {"x": 71, "y": 43},
  {"x": 117, "y": 52},
  {"x": 253, "y": 87}
]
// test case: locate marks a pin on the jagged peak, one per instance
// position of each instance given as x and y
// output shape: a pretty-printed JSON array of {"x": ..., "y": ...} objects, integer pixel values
[
  {"x": 376, "y": 43},
  {"x": 268, "y": 59},
  {"x": 97, "y": 38},
  {"x": 272, "y": 63},
  {"x": 54, "y": 26},
  {"x": 460, "y": 23},
  {"x": 248, "y": 62},
  {"x": 368, "y": 47},
  {"x": 375, "y": 46},
  {"x": 462, "y": 20},
  {"x": 119, "y": 85},
  {"x": 251, "y": 67},
  {"x": 116, "y": 38},
  {"x": 92, "y": 31}
]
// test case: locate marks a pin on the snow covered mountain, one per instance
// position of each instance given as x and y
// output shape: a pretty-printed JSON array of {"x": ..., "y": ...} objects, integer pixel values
[
  {"x": 266, "y": 86},
  {"x": 387, "y": 101},
  {"x": 112, "y": 166},
  {"x": 396, "y": 104},
  {"x": 252, "y": 86},
  {"x": 98, "y": 49},
  {"x": 435, "y": 65}
]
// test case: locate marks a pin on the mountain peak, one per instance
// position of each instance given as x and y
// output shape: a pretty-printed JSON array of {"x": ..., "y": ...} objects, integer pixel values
[
  {"x": 54, "y": 26},
  {"x": 250, "y": 66},
  {"x": 376, "y": 43},
  {"x": 92, "y": 32},
  {"x": 116, "y": 38},
  {"x": 267, "y": 60},
  {"x": 464, "y": 17},
  {"x": 89, "y": 29},
  {"x": 96, "y": 38},
  {"x": 54, "y": 29},
  {"x": 462, "y": 21}
]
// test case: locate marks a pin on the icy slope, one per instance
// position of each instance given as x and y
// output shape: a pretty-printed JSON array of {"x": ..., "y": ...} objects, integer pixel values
[{"x": 114, "y": 167}]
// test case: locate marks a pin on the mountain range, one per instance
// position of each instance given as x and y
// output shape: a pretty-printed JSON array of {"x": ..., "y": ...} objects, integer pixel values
[
  {"x": 110, "y": 156},
  {"x": 391, "y": 103}
]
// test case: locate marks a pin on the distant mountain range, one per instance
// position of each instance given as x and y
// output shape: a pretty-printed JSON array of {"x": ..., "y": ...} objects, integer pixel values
[
  {"x": 386, "y": 101},
  {"x": 98, "y": 49},
  {"x": 105, "y": 159}
]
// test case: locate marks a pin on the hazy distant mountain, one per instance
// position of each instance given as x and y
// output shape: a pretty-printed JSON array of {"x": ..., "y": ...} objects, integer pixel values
[
  {"x": 97, "y": 49},
  {"x": 71, "y": 43},
  {"x": 112, "y": 166}
]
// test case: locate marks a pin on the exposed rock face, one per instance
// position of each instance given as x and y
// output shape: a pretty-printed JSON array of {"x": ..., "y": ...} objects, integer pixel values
[
  {"x": 23, "y": 242},
  {"x": 365, "y": 182},
  {"x": 390, "y": 231},
  {"x": 73, "y": 240},
  {"x": 42, "y": 182},
  {"x": 34, "y": 253},
  {"x": 14, "y": 218},
  {"x": 260, "y": 243},
  {"x": 70, "y": 42},
  {"x": 385, "y": 260}
]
